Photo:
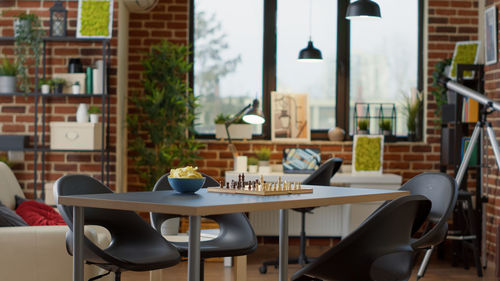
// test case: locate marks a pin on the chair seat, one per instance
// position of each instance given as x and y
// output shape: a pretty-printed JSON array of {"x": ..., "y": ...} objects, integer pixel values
[{"x": 216, "y": 248}]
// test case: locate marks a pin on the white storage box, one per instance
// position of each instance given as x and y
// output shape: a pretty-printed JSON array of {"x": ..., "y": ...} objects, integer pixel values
[{"x": 73, "y": 135}]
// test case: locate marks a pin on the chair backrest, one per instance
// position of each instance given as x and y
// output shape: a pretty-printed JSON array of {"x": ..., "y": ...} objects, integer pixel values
[
  {"x": 442, "y": 190},
  {"x": 373, "y": 247},
  {"x": 9, "y": 187},
  {"x": 125, "y": 227},
  {"x": 324, "y": 173}
]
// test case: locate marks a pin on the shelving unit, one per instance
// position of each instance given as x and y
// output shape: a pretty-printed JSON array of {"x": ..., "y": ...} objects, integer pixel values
[{"x": 105, "y": 112}]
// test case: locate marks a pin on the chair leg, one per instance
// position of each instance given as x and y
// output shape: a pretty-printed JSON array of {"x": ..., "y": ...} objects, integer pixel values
[
  {"x": 118, "y": 276},
  {"x": 425, "y": 262},
  {"x": 202, "y": 269}
]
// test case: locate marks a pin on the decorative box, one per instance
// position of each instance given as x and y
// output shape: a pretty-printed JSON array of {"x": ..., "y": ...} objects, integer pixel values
[{"x": 77, "y": 136}]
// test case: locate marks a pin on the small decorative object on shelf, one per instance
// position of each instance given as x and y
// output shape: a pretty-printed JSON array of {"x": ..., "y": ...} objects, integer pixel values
[
  {"x": 58, "y": 20},
  {"x": 336, "y": 134},
  {"x": 94, "y": 112},
  {"x": 45, "y": 86},
  {"x": 82, "y": 113},
  {"x": 363, "y": 125},
  {"x": 75, "y": 65},
  {"x": 8, "y": 73},
  {"x": 75, "y": 88},
  {"x": 58, "y": 84},
  {"x": 264, "y": 154},
  {"x": 253, "y": 164}
]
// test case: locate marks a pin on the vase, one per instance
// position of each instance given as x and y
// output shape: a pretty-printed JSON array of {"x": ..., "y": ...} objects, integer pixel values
[
  {"x": 336, "y": 134},
  {"x": 240, "y": 163},
  {"x": 82, "y": 113}
]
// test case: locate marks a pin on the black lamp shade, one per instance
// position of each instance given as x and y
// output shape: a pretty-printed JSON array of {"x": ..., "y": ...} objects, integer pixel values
[
  {"x": 58, "y": 20},
  {"x": 254, "y": 114},
  {"x": 363, "y": 8},
  {"x": 310, "y": 53}
]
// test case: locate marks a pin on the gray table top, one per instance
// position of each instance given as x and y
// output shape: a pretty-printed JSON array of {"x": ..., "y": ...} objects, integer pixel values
[{"x": 204, "y": 203}]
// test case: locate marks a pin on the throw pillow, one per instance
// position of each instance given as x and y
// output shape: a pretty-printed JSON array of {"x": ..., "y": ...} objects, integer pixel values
[
  {"x": 20, "y": 200},
  {"x": 37, "y": 213},
  {"x": 9, "y": 218}
]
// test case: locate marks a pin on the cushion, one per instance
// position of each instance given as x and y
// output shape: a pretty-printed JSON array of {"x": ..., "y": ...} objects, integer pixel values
[
  {"x": 38, "y": 213},
  {"x": 9, "y": 217},
  {"x": 20, "y": 200}
]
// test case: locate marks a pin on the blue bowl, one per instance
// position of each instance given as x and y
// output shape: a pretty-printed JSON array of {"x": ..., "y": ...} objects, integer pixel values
[{"x": 186, "y": 185}]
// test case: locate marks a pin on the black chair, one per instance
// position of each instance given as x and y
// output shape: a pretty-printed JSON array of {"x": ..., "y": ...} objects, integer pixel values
[
  {"x": 379, "y": 249},
  {"x": 135, "y": 245},
  {"x": 442, "y": 190},
  {"x": 236, "y": 236},
  {"x": 321, "y": 176}
]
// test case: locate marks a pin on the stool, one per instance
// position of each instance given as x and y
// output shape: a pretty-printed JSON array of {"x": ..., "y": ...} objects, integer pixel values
[{"x": 465, "y": 233}]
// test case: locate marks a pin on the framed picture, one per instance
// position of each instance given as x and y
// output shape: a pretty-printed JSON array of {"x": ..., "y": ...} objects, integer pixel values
[
  {"x": 490, "y": 38},
  {"x": 95, "y": 19},
  {"x": 301, "y": 160},
  {"x": 289, "y": 114},
  {"x": 466, "y": 52},
  {"x": 368, "y": 154}
]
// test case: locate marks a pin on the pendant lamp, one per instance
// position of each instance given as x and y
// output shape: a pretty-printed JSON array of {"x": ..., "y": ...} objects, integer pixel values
[
  {"x": 362, "y": 9},
  {"x": 309, "y": 53}
]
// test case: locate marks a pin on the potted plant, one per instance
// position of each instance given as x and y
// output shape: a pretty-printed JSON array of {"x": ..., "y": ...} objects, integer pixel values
[
  {"x": 439, "y": 91},
  {"x": 8, "y": 73},
  {"x": 75, "y": 88},
  {"x": 94, "y": 112},
  {"x": 237, "y": 130},
  {"x": 263, "y": 156},
  {"x": 58, "y": 84},
  {"x": 253, "y": 163},
  {"x": 413, "y": 109},
  {"x": 386, "y": 126},
  {"x": 162, "y": 125},
  {"x": 363, "y": 126},
  {"x": 45, "y": 86},
  {"x": 28, "y": 37}
]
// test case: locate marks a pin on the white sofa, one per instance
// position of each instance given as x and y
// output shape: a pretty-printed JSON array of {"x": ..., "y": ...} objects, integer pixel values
[{"x": 38, "y": 253}]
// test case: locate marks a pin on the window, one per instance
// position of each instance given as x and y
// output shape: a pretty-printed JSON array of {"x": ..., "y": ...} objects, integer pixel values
[
  {"x": 294, "y": 23},
  {"x": 228, "y": 57},
  {"x": 239, "y": 56},
  {"x": 383, "y": 60}
]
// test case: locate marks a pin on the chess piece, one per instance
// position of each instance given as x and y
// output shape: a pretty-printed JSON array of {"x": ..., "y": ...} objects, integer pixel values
[{"x": 227, "y": 185}]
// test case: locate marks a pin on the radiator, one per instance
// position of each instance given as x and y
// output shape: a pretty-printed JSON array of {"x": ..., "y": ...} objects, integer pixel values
[{"x": 325, "y": 221}]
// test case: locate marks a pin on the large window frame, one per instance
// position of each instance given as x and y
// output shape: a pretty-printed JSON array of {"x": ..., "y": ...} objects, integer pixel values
[{"x": 342, "y": 66}]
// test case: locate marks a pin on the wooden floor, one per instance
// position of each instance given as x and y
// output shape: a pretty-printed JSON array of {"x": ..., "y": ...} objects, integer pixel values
[{"x": 438, "y": 270}]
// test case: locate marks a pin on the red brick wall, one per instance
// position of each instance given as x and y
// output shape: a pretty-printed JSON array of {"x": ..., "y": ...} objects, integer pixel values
[
  {"x": 17, "y": 113},
  {"x": 491, "y": 174}
]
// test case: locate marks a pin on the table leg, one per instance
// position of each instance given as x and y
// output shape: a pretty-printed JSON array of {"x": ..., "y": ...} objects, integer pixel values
[
  {"x": 240, "y": 268},
  {"x": 78, "y": 221},
  {"x": 194, "y": 248},
  {"x": 283, "y": 251}
]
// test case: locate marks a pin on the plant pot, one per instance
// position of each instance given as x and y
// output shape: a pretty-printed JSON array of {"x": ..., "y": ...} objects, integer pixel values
[
  {"x": 94, "y": 118},
  {"x": 253, "y": 168},
  {"x": 75, "y": 89},
  {"x": 236, "y": 131},
  {"x": 264, "y": 169},
  {"x": 45, "y": 89},
  {"x": 7, "y": 84},
  {"x": 58, "y": 88},
  {"x": 363, "y": 132}
]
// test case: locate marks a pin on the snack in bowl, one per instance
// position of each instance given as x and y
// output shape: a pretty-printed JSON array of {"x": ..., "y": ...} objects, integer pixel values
[{"x": 186, "y": 180}]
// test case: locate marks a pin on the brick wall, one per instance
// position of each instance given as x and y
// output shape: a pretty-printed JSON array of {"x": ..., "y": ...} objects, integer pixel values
[
  {"x": 17, "y": 113},
  {"x": 491, "y": 174}
]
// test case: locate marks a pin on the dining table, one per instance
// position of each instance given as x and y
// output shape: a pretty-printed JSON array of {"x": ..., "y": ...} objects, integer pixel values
[{"x": 203, "y": 203}]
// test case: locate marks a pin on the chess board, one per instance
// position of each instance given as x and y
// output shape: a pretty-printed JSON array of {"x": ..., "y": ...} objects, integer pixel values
[
  {"x": 259, "y": 187},
  {"x": 259, "y": 192}
]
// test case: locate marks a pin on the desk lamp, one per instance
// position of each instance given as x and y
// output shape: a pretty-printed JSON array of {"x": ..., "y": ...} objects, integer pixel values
[{"x": 251, "y": 115}]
